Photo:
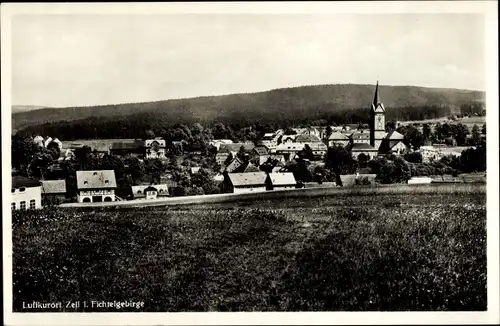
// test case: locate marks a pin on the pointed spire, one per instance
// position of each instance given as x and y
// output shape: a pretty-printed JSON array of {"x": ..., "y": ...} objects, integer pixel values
[{"x": 376, "y": 99}]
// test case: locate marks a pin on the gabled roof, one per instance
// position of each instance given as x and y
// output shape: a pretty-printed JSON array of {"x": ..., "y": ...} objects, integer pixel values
[
  {"x": 362, "y": 147},
  {"x": 305, "y": 138},
  {"x": 95, "y": 179},
  {"x": 162, "y": 190},
  {"x": 19, "y": 181},
  {"x": 248, "y": 179},
  {"x": 236, "y": 147},
  {"x": 53, "y": 186},
  {"x": 261, "y": 150},
  {"x": 394, "y": 135},
  {"x": 290, "y": 146},
  {"x": 338, "y": 136},
  {"x": 282, "y": 178}
]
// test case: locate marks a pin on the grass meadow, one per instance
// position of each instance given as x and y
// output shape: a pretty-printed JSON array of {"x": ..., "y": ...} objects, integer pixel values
[{"x": 383, "y": 252}]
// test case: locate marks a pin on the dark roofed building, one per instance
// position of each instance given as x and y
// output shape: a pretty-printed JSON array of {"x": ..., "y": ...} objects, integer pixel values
[
  {"x": 244, "y": 182},
  {"x": 362, "y": 148},
  {"x": 95, "y": 186},
  {"x": 53, "y": 191},
  {"x": 127, "y": 147}
]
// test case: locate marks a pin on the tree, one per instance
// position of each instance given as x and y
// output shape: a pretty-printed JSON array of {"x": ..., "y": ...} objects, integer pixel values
[
  {"x": 54, "y": 150},
  {"x": 241, "y": 153},
  {"x": 23, "y": 151},
  {"x": 289, "y": 131},
  {"x": 389, "y": 126},
  {"x": 476, "y": 135},
  {"x": 427, "y": 132},
  {"x": 414, "y": 157},
  {"x": 413, "y": 136},
  {"x": 474, "y": 160},
  {"x": 329, "y": 131},
  {"x": 363, "y": 159},
  {"x": 402, "y": 170},
  {"x": 149, "y": 134},
  {"x": 339, "y": 161},
  {"x": 460, "y": 133},
  {"x": 483, "y": 129},
  {"x": 306, "y": 153}
]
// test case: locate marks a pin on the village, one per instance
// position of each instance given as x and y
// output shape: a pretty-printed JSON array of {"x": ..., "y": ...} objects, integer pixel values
[{"x": 279, "y": 160}]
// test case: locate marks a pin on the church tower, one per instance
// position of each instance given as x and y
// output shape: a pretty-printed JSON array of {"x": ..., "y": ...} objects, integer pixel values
[{"x": 377, "y": 121}]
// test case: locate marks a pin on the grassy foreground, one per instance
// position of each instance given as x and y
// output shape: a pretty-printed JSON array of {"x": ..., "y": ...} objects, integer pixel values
[{"x": 350, "y": 253}]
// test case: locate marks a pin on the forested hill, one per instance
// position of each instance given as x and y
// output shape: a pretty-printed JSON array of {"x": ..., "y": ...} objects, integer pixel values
[{"x": 341, "y": 103}]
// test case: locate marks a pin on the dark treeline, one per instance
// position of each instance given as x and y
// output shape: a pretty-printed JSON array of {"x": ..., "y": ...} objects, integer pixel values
[
  {"x": 306, "y": 102},
  {"x": 133, "y": 126}
]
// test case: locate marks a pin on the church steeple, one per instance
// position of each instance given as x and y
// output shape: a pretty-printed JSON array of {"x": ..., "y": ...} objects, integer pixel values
[{"x": 376, "y": 99}]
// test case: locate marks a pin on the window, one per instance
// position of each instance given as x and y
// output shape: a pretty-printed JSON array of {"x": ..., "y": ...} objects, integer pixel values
[
  {"x": 32, "y": 204},
  {"x": 95, "y": 173},
  {"x": 22, "y": 189},
  {"x": 12, "y": 190},
  {"x": 85, "y": 182},
  {"x": 106, "y": 181},
  {"x": 139, "y": 192},
  {"x": 13, "y": 205},
  {"x": 23, "y": 205}
]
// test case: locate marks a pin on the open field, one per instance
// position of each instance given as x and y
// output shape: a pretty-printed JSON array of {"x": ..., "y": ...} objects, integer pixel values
[{"x": 390, "y": 252}]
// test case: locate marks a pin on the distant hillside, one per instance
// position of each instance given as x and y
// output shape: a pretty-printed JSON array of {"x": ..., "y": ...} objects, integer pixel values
[
  {"x": 297, "y": 104},
  {"x": 25, "y": 108}
]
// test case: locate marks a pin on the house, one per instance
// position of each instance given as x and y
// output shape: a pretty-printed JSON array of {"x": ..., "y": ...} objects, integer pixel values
[
  {"x": 46, "y": 141},
  {"x": 235, "y": 163},
  {"x": 95, "y": 186},
  {"x": 221, "y": 157},
  {"x": 26, "y": 193},
  {"x": 53, "y": 191},
  {"x": 357, "y": 149},
  {"x": 260, "y": 151},
  {"x": 150, "y": 191},
  {"x": 280, "y": 181},
  {"x": 338, "y": 138},
  {"x": 217, "y": 142},
  {"x": 361, "y": 136},
  {"x": 273, "y": 157},
  {"x": 195, "y": 169},
  {"x": 289, "y": 150},
  {"x": 38, "y": 140},
  {"x": 58, "y": 143},
  {"x": 393, "y": 143},
  {"x": 155, "y": 148},
  {"x": 244, "y": 182},
  {"x": 125, "y": 147},
  {"x": 67, "y": 154},
  {"x": 420, "y": 180}
]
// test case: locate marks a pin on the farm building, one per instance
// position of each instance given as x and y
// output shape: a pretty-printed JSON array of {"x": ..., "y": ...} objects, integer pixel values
[
  {"x": 150, "y": 191},
  {"x": 26, "y": 193},
  {"x": 244, "y": 182},
  {"x": 53, "y": 191},
  {"x": 95, "y": 186},
  {"x": 420, "y": 180},
  {"x": 280, "y": 181}
]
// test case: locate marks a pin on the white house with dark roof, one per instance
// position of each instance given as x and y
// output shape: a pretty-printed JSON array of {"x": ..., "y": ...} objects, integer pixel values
[
  {"x": 95, "y": 186},
  {"x": 155, "y": 148},
  {"x": 26, "y": 193},
  {"x": 280, "y": 181},
  {"x": 53, "y": 189},
  {"x": 150, "y": 191},
  {"x": 338, "y": 138},
  {"x": 244, "y": 182}
]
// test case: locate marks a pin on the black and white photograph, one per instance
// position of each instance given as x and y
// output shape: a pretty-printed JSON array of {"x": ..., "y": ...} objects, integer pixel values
[{"x": 294, "y": 161}]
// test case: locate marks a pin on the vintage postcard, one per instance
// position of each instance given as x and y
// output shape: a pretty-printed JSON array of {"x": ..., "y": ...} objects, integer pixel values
[{"x": 250, "y": 163}]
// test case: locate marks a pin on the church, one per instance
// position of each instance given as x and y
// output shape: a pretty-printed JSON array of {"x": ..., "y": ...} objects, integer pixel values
[{"x": 377, "y": 141}]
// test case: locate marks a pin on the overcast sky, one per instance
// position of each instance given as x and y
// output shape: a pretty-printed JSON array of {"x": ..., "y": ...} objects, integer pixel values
[{"x": 77, "y": 60}]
